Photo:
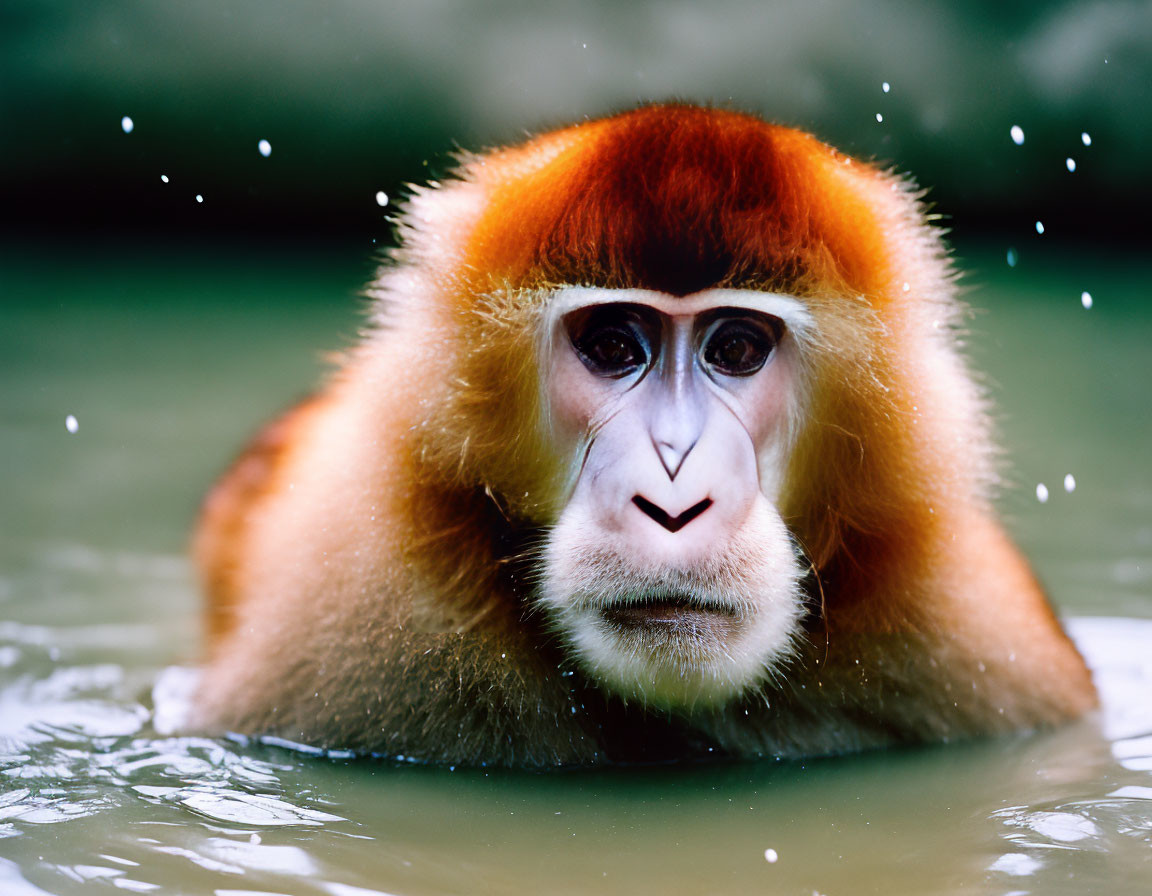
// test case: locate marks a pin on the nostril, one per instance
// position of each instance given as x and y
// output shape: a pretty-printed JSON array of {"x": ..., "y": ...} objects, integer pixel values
[{"x": 671, "y": 523}]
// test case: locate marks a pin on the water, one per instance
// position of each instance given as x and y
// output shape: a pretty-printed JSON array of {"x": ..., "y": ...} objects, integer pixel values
[{"x": 167, "y": 362}]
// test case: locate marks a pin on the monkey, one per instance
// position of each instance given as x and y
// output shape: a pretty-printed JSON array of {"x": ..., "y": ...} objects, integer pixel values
[{"x": 659, "y": 445}]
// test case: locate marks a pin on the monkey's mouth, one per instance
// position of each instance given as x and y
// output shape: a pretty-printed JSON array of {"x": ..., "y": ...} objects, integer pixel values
[{"x": 671, "y": 616}]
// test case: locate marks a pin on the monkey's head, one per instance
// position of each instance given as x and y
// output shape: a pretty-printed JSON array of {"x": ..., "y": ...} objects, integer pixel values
[{"x": 659, "y": 339}]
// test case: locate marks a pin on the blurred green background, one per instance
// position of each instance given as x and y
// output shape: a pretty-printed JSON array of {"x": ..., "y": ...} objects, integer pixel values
[{"x": 358, "y": 96}]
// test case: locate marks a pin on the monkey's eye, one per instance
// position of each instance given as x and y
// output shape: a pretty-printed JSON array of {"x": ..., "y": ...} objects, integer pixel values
[
  {"x": 741, "y": 346},
  {"x": 611, "y": 340}
]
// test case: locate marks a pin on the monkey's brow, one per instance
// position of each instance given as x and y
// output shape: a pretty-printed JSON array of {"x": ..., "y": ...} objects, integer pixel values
[{"x": 787, "y": 308}]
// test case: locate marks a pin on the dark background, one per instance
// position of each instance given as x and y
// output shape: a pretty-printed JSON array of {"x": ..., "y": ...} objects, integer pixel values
[{"x": 359, "y": 96}]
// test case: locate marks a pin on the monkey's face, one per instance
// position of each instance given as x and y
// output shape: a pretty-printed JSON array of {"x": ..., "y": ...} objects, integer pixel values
[{"x": 669, "y": 571}]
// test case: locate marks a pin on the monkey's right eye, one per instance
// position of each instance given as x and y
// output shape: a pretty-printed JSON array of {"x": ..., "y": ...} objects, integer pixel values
[{"x": 610, "y": 340}]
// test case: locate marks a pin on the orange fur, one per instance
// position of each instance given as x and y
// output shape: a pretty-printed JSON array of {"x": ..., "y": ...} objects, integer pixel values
[
  {"x": 369, "y": 559},
  {"x": 220, "y": 539}
]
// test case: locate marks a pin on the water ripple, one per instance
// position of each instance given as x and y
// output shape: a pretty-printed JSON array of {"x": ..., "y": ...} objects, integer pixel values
[{"x": 82, "y": 742}]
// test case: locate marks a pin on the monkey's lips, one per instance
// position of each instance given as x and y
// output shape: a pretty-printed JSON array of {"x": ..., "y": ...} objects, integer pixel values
[{"x": 671, "y": 617}]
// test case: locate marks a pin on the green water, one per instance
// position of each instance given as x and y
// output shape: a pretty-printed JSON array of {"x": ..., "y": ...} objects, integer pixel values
[{"x": 168, "y": 360}]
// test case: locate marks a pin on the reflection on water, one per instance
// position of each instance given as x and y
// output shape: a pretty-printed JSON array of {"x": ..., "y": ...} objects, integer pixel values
[{"x": 96, "y": 601}]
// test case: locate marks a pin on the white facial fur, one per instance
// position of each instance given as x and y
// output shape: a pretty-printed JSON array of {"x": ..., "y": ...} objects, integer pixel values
[{"x": 670, "y": 573}]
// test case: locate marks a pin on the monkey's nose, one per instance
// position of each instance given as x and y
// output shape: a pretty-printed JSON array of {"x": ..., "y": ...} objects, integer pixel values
[{"x": 669, "y": 522}]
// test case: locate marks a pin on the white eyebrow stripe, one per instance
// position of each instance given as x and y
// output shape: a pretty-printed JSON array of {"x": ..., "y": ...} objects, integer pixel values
[{"x": 788, "y": 308}]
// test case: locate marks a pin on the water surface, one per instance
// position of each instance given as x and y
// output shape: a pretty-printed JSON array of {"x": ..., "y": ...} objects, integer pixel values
[{"x": 168, "y": 361}]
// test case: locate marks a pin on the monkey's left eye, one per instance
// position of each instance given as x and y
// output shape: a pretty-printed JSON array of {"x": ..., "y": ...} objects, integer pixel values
[
  {"x": 740, "y": 347},
  {"x": 610, "y": 340}
]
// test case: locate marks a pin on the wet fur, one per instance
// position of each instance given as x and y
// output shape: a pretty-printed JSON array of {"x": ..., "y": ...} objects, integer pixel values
[{"x": 372, "y": 559}]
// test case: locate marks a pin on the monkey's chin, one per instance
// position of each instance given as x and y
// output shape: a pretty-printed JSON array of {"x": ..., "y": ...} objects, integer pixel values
[
  {"x": 677, "y": 639},
  {"x": 675, "y": 656}
]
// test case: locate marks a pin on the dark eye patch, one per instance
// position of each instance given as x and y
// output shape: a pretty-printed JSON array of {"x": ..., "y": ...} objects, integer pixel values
[
  {"x": 613, "y": 340},
  {"x": 740, "y": 342}
]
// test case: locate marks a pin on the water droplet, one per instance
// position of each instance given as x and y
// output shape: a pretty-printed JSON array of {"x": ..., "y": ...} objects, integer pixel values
[
  {"x": 71, "y": 424},
  {"x": 199, "y": 198},
  {"x": 1012, "y": 258},
  {"x": 907, "y": 286},
  {"x": 265, "y": 148},
  {"x": 1039, "y": 226},
  {"x": 879, "y": 117},
  {"x": 771, "y": 856},
  {"x": 1086, "y": 299},
  {"x": 1070, "y": 163},
  {"x": 1017, "y": 133},
  {"x": 381, "y": 198},
  {"x": 1041, "y": 493},
  {"x": 885, "y": 86},
  {"x": 1069, "y": 483},
  {"x": 1085, "y": 138},
  {"x": 127, "y": 124},
  {"x": 164, "y": 178}
]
